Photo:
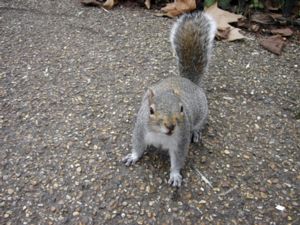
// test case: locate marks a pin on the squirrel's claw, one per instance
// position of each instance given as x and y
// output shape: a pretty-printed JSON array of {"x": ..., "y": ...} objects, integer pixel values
[
  {"x": 130, "y": 159},
  {"x": 175, "y": 179}
]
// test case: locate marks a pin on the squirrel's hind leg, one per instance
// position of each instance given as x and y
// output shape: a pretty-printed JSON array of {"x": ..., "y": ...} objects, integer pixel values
[
  {"x": 196, "y": 136},
  {"x": 197, "y": 130}
]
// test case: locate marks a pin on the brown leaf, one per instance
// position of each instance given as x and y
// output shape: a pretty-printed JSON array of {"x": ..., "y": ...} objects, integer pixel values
[
  {"x": 286, "y": 32},
  {"x": 90, "y": 3},
  {"x": 109, "y": 4},
  {"x": 223, "y": 18},
  {"x": 273, "y": 44},
  {"x": 179, "y": 7},
  {"x": 275, "y": 16},
  {"x": 272, "y": 5},
  {"x": 262, "y": 18},
  {"x": 243, "y": 23},
  {"x": 255, "y": 27},
  {"x": 235, "y": 34},
  {"x": 223, "y": 34},
  {"x": 147, "y": 4}
]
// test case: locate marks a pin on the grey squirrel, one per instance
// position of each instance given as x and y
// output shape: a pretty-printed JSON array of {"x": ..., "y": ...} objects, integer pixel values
[{"x": 174, "y": 111}]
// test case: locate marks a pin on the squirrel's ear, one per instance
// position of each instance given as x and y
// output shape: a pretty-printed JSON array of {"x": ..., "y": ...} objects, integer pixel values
[
  {"x": 150, "y": 95},
  {"x": 152, "y": 109},
  {"x": 176, "y": 91},
  {"x": 181, "y": 108}
]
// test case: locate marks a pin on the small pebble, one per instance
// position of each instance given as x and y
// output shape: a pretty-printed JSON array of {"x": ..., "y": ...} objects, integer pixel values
[
  {"x": 280, "y": 207},
  {"x": 78, "y": 169},
  {"x": 227, "y": 152},
  {"x": 76, "y": 213}
]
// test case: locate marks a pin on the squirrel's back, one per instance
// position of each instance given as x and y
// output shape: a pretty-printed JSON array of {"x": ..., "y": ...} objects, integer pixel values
[{"x": 191, "y": 38}]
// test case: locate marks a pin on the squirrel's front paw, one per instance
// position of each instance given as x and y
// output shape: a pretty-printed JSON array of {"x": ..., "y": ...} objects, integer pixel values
[
  {"x": 175, "y": 179},
  {"x": 130, "y": 159}
]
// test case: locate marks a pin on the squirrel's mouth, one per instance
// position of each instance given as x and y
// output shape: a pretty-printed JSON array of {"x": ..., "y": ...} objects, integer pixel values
[{"x": 169, "y": 133}]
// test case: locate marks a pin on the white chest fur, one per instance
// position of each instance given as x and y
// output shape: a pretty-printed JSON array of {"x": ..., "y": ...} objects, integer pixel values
[{"x": 162, "y": 140}]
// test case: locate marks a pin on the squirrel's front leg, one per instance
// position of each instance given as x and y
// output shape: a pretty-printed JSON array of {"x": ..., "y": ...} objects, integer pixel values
[
  {"x": 177, "y": 158},
  {"x": 138, "y": 147}
]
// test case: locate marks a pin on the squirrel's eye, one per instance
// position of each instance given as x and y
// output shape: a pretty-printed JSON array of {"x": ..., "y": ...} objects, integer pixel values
[
  {"x": 151, "y": 111},
  {"x": 181, "y": 108}
]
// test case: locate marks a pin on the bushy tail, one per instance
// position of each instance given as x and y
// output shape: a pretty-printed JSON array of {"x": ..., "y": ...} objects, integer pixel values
[{"x": 192, "y": 38}]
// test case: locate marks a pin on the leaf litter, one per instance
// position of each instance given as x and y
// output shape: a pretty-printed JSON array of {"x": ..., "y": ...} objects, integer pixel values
[{"x": 228, "y": 23}]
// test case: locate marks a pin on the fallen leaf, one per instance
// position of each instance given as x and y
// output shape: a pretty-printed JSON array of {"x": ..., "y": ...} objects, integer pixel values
[
  {"x": 272, "y": 5},
  {"x": 243, "y": 23},
  {"x": 223, "y": 18},
  {"x": 286, "y": 32},
  {"x": 262, "y": 18},
  {"x": 179, "y": 7},
  {"x": 90, "y": 3},
  {"x": 254, "y": 27},
  {"x": 147, "y": 4},
  {"x": 235, "y": 34},
  {"x": 273, "y": 44},
  {"x": 275, "y": 16},
  {"x": 160, "y": 14},
  {"x": 109, "y": 4},
  {"x": 223, "y": 34}
]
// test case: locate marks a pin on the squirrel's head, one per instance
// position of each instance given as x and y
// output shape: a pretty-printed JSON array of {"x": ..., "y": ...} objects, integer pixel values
[{"x": 166, "y": 111}]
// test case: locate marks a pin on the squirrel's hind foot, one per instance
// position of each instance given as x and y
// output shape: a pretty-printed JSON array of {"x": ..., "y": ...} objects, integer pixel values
[{"x": 196, "y": 137}]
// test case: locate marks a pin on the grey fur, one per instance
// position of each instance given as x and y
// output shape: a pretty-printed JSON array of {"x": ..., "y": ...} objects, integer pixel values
[
  {"x": 175, "y": 110},
  {"x": 191, "y": 38}
]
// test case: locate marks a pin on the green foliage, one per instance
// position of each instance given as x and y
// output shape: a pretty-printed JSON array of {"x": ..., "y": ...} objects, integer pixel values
[
  {"x": 224, "y": 4},
  {"x": 257, "y": 4},
  {"x": 209, "y": 3}
]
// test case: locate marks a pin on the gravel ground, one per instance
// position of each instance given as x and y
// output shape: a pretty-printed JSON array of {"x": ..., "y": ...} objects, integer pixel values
[{"x": 71, "y": 83}]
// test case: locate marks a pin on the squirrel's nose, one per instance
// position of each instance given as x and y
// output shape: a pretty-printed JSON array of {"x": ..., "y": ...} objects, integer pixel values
[{"x": 170, "y": 127}]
